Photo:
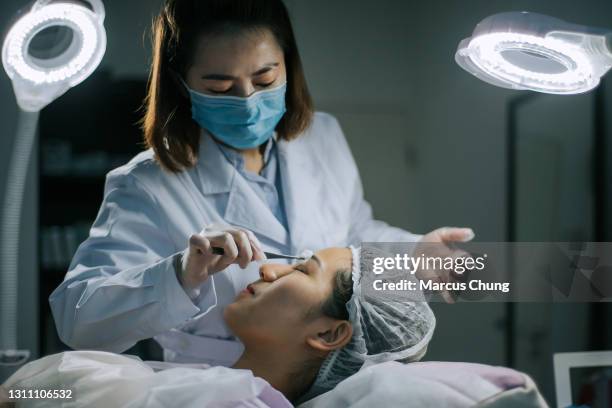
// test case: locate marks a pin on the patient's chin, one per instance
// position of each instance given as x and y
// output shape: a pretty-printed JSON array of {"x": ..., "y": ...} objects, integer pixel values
[
  {"x": 232, "y": 315},
  {"x": 228, "y": 312}
]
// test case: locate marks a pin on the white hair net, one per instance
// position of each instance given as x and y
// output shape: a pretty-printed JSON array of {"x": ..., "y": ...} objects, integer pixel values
[{"x": 383, "y": 330}]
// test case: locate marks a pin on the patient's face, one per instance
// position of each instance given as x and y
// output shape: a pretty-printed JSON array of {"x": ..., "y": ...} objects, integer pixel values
[{"x": 279, "y": 307}]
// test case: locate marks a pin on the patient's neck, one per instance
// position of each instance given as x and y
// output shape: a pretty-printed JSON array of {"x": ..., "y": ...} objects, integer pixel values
[{"x": 278, "y": 368}]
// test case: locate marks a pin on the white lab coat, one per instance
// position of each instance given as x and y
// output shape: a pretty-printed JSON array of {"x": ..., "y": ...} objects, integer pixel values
[{"x": 121, "y": 286}]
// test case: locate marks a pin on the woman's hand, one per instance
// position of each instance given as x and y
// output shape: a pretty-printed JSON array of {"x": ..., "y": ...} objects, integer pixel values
[
  {"x": 435, "y": 244},
  {"x": 240, "y": 246}
]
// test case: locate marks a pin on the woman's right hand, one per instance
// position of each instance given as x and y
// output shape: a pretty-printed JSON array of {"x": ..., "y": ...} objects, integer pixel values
[{"x": 240, "y": 246}]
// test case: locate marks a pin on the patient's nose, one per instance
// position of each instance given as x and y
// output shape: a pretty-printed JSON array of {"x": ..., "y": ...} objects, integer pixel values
[{"x": 271, "y": 272}]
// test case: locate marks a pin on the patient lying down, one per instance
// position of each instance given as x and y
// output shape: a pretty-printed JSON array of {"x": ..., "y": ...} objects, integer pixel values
[
  {"x": 305, "y": 328},
  {"x": 292, "y": 318}
]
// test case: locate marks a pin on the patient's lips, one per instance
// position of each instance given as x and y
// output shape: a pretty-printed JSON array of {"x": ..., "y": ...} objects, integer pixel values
[{"x": 248, "y": 291}]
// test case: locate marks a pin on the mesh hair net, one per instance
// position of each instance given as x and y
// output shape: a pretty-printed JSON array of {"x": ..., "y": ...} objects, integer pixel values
[{"x": 383, "y": 330}]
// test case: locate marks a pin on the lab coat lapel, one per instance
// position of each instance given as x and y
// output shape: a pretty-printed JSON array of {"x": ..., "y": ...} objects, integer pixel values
[
  {"x": 244, "y": 208},
  {"x": 247, "y": 210},
  {"x": 216, "y": 175},
  {"x": 302, "y": 195}
]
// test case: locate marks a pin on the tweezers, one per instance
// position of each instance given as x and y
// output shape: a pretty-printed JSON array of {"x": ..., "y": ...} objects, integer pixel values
[{"x": 269, "y": 255}]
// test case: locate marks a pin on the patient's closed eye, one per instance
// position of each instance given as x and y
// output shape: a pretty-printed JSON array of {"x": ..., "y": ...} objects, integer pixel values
[{"x": 301, "y": 268}]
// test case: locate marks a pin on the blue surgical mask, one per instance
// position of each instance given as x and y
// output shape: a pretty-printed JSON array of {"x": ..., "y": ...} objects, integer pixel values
[{"x": 240, "y": 122}]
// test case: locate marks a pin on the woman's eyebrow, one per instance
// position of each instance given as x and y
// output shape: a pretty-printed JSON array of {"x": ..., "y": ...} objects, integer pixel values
[
  {"x": 266, "y": 68},
  {"x": 317, "y": 260},
  {"x": 224, "y": 77}
]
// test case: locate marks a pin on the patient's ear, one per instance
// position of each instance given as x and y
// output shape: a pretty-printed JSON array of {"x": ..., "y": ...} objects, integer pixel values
[{"x": 336, "y": 334}]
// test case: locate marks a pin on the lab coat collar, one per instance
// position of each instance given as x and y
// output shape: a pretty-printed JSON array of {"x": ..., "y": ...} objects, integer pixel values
[
  {"x": 244, "y": 208},
  {"x": 236, "y": 159}
]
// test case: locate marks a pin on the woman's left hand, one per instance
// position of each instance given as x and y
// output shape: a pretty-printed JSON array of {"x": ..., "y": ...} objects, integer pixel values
[{"x": 435, "y": 244}]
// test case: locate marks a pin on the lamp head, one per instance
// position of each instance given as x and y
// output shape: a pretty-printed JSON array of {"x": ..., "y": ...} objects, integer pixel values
[
  {"x": 51, "y": 48},
  {"x": 530, "y": 51}
]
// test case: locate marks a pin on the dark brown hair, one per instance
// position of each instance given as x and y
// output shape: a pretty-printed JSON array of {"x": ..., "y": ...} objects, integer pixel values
[
  {"x": 167, "y": 123},
  {"x": 335, "y": 305}
]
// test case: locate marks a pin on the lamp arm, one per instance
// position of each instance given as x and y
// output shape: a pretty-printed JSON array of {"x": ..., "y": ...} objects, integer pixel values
[{"x": 10, "y": 228}]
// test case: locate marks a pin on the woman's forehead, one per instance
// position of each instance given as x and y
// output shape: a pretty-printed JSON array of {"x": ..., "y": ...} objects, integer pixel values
[{"x": 223, "y": 50}]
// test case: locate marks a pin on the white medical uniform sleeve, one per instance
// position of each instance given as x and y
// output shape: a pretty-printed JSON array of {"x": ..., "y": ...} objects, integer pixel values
[
  {"x": 364, "y": 228},
  {"x": 121, "y": 286}
]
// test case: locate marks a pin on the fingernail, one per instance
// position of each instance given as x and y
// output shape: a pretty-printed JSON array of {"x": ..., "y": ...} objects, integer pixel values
[{"x": 469, "y": 234}]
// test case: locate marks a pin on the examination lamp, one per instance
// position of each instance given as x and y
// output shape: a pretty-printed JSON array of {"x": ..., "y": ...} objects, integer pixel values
[
  {"x": 52, "y": 47},
  {"x": 530, "y": 51}
]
